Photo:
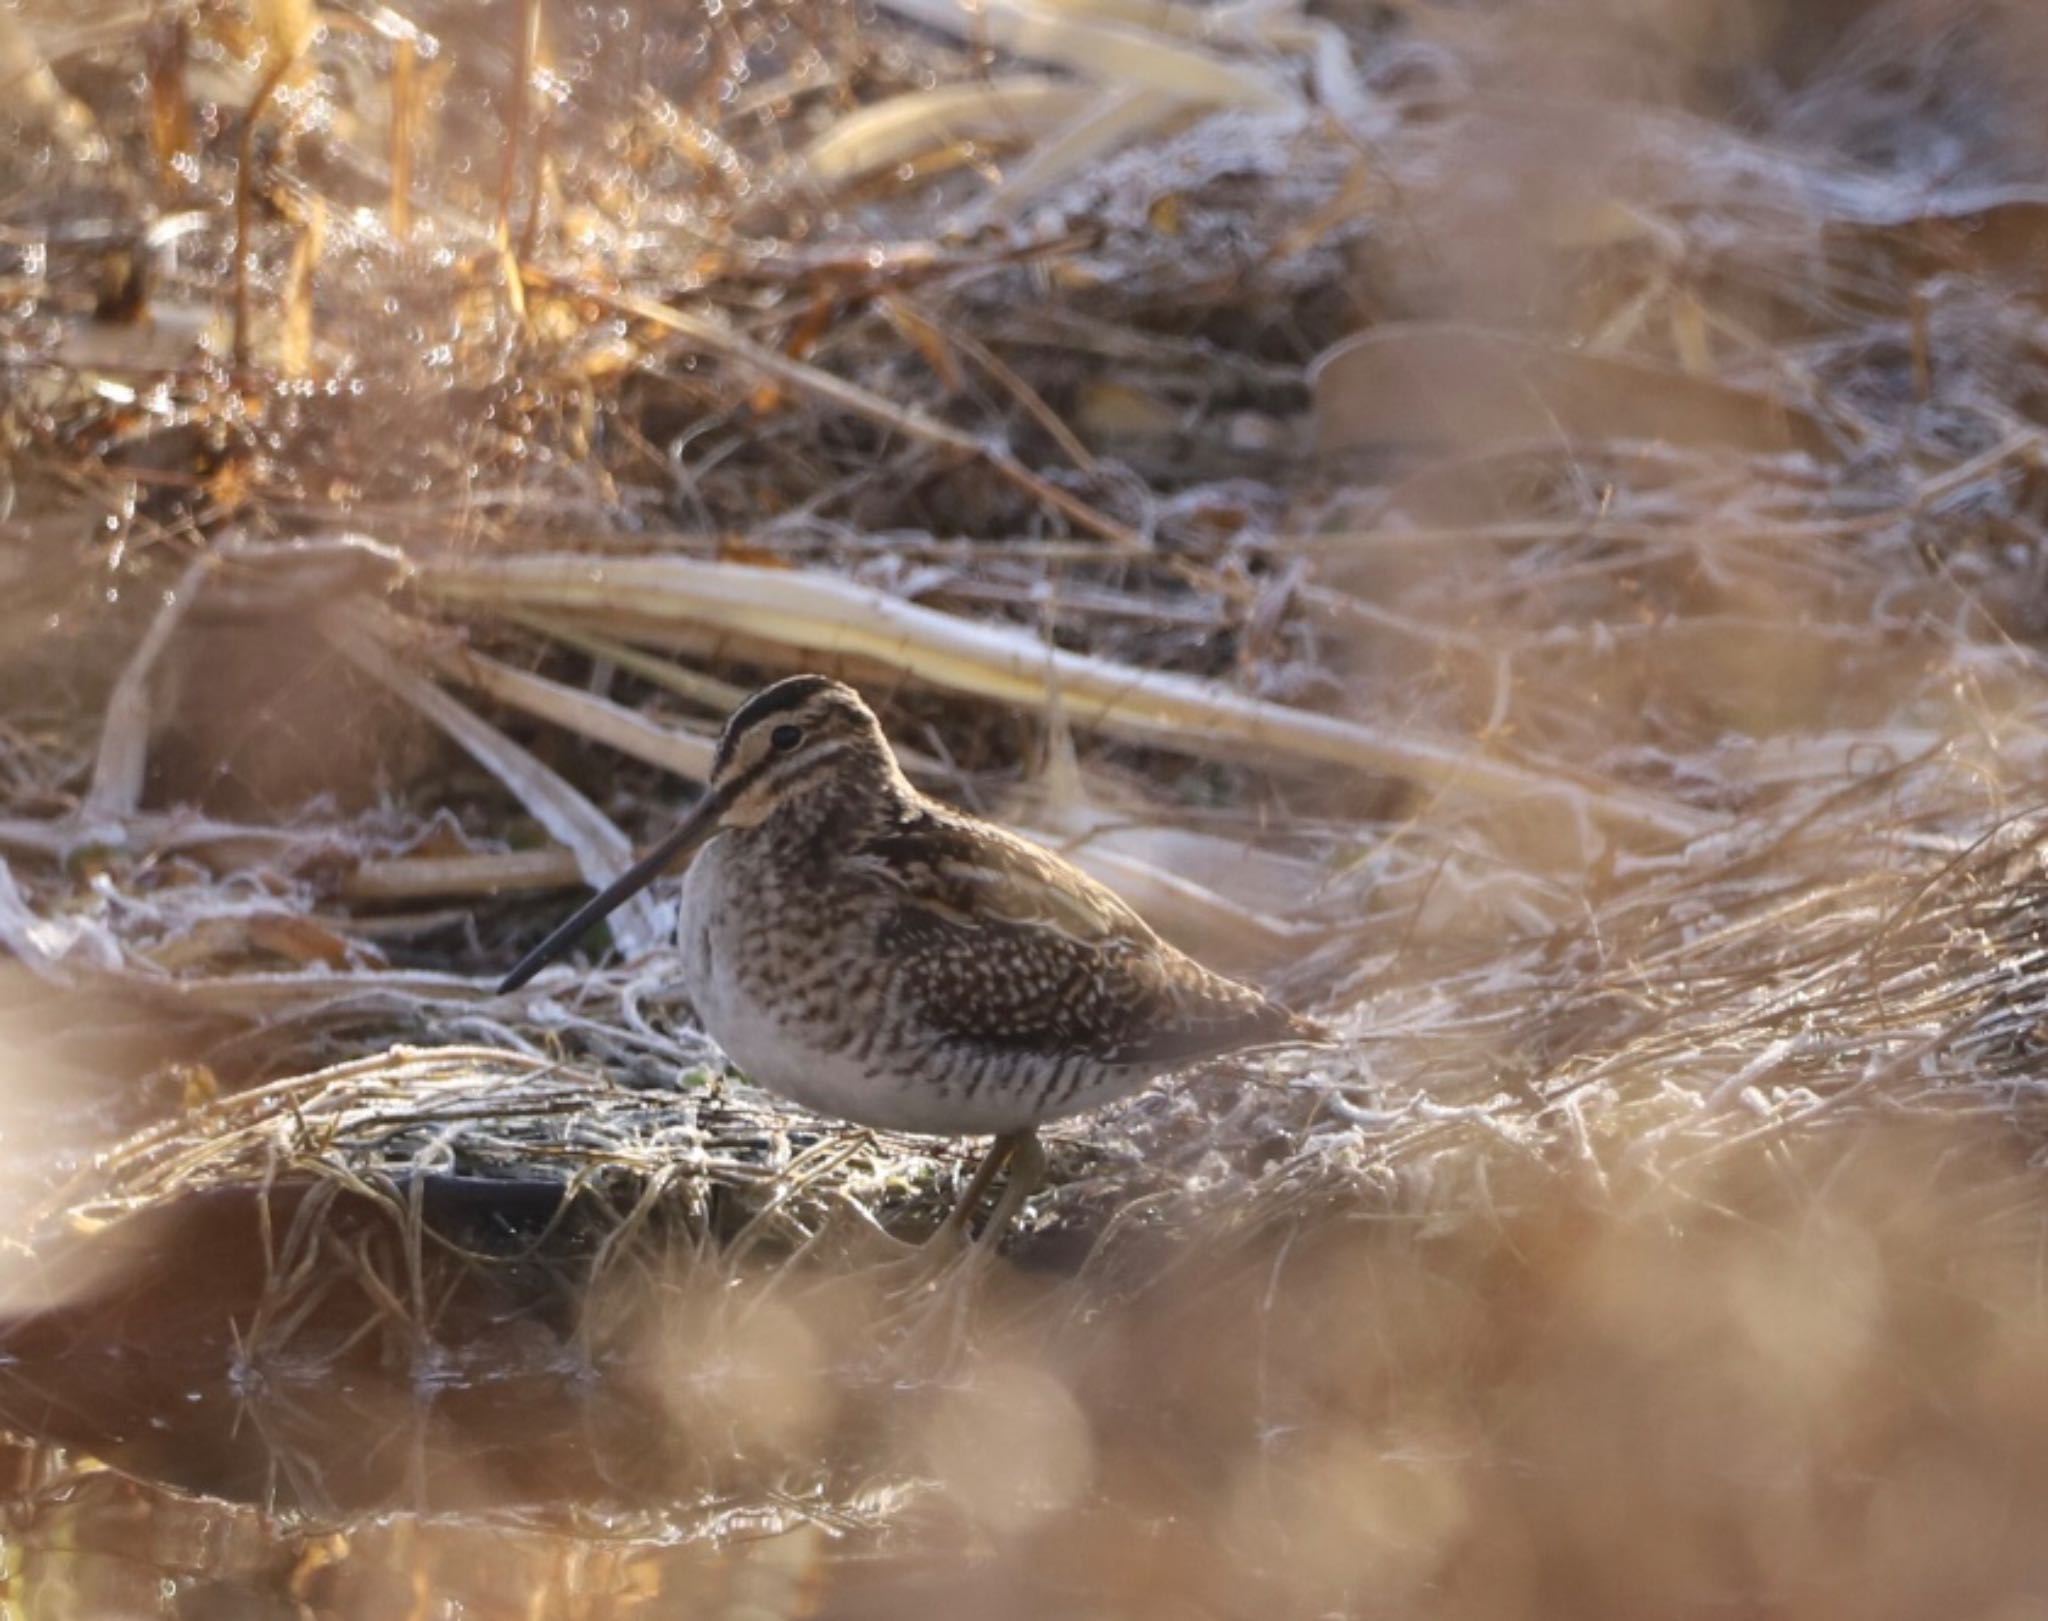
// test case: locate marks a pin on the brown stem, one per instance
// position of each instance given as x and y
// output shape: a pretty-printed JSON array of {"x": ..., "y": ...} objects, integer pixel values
[{"x": 244, "y": 189}]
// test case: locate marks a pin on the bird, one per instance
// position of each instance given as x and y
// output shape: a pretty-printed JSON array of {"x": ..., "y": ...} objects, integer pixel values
[{"x": 876, "y": 955}]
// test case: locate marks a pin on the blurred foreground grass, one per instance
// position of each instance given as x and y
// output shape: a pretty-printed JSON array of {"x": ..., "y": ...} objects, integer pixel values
[{"x": 1521, "y": 526}]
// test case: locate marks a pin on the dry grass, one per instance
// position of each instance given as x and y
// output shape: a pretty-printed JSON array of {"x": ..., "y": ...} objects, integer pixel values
[{"x": 1611, "y": 691}]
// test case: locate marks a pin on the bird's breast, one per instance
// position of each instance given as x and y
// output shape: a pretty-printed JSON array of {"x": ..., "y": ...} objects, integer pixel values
[
  {"x": 796, "y": 990},
  {"x": 788, "y": 985}
]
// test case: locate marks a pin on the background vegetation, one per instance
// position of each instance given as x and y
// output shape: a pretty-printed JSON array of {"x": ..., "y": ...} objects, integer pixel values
[{"x": 1520, "y": 525}]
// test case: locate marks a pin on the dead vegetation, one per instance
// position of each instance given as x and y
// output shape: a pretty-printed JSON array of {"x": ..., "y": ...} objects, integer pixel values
[{"x": 1521, "y": 526}]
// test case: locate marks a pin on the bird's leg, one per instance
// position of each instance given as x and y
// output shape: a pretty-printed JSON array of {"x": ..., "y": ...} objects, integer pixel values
[
  {"x": 933, "y": 1286},
  {"x": 953, "y": 1231},
  {"x": 1027, "y": 1173},
  {"x": 950, "y": 1252}
]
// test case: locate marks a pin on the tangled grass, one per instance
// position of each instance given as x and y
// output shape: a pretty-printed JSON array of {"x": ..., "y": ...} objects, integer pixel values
[{"x": 1524, "y": 533}]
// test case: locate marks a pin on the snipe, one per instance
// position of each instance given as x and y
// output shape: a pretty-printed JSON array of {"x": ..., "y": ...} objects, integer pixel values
[{"x": 878, "y": 956}]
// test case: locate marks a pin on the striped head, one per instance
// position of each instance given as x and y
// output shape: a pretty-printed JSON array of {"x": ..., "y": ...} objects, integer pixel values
[
  {"x": 807, "y": 743},
  {"x": 792, "y": 739}
]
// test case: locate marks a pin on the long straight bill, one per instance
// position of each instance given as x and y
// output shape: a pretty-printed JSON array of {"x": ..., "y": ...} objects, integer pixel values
[{"x": 697, "y": 827}]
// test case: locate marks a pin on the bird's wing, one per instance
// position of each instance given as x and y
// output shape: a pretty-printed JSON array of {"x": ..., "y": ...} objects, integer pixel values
[{"x": 1000, "y": 944}]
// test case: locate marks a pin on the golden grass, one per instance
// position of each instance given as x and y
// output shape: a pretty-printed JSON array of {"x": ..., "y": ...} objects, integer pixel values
[{"x": 1607, "y": 686}]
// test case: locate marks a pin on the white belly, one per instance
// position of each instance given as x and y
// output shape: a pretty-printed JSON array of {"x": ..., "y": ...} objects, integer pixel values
[
  {"x": 770, "y": 1055},
  {"x": 773, "y": 1053}
]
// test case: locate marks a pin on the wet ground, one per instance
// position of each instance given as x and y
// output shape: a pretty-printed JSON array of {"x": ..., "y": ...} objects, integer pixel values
[
  {"x": 1672, "y": 1243},
  {"x": 1824, "y": 1406}
]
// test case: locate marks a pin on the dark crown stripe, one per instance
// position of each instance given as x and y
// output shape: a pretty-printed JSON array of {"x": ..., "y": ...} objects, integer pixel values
[{"x": 775, "y": 700}]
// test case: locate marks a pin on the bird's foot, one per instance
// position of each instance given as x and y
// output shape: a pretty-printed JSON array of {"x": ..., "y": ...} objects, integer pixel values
[
  {"x": 952, "y": 1253},
  {"x": 946, "y": 1258},
  {"x": 928, "y": 1296},
  {"x": 926, "y": 1302}
]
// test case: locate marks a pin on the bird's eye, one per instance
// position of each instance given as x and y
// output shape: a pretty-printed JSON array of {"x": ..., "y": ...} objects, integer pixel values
[{"x": 785, "y": 738}]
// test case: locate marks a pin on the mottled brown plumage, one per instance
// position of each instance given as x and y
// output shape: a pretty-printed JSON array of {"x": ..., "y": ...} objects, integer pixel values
[
  {"x": 881, "y": 957},
  {"x": 1005, "y": 944}
]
